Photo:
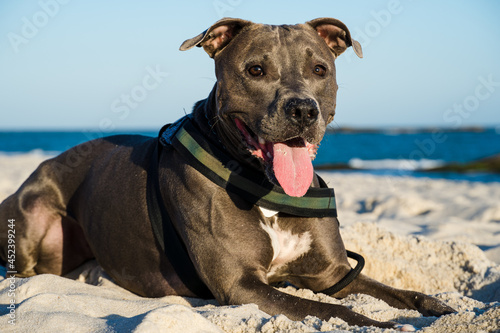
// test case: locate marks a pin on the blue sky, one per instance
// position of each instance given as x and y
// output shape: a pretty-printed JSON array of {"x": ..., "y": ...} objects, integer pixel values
[{"x": 71, "y": 64}]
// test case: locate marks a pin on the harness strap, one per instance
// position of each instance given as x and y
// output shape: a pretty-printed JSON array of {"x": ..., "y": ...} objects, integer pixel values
[
  {"x": 223, "y": 170},
  {"x": 346, "y": 280},
  {"x": 166, "y": 234}
]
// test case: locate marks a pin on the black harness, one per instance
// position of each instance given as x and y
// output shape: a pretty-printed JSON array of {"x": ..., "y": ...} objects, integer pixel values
[{"x": 221, "y": 169}]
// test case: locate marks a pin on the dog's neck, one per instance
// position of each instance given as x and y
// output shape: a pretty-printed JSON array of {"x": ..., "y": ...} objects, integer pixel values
[{"x": 221, "y": 128}]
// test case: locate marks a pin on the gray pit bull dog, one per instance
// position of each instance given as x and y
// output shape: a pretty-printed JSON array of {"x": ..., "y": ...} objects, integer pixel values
[{"x": 266, "y": 115}]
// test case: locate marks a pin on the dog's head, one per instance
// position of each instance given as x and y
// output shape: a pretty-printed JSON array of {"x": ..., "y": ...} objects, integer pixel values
[{"x": 276, "y": 90}]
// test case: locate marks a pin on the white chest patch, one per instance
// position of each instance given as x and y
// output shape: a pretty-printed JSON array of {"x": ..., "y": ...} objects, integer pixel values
[
  {"x": 268, "y": 212},
  {"x": 286, "y": 246}
]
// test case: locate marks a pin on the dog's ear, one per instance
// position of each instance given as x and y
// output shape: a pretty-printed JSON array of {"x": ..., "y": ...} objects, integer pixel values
[
  {"x": 336, "y": 35},
  {"x": 215, "y": 38}
]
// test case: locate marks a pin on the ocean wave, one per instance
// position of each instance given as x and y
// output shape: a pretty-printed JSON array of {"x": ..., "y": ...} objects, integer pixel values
[{"x": 395, "y": 164}]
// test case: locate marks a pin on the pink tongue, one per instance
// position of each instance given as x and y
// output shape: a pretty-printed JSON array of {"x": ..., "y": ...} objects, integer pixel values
[{"x": 293, "y": 168}]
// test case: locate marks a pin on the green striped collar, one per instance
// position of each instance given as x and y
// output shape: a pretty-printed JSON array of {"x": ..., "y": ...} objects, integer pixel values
[{"x": 228, "y": 173}]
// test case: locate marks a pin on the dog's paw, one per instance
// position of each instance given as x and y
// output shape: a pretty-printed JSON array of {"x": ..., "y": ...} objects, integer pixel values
[{"x": 432, "y": 307}]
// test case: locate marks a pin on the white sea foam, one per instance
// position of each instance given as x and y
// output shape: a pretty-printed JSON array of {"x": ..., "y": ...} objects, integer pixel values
[{"x": 393, "y": 164}]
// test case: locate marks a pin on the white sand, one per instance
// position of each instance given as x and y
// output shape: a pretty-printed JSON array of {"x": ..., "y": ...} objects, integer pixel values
[{"x": 414, "y": 233}]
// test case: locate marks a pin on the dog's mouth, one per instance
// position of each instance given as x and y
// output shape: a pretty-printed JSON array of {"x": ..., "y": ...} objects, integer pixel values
[{"x": 289, "y": 161}]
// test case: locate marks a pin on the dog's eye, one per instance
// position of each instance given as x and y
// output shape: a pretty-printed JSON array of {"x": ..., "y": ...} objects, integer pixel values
[
  {"x": 256, "y": 71},
  {"x": 319, "y": 70}
]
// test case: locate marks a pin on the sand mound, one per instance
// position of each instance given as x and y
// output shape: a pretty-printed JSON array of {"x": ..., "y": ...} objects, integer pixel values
[
  {"x": 463, "y": 276},
  {"x": 415, "y": 262}
]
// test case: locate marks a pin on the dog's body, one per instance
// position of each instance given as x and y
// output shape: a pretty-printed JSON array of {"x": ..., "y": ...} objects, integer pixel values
[{"x": 274, "y": 96}]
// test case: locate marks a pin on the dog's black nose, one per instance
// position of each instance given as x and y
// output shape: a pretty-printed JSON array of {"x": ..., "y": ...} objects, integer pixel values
[{"x": 302, "y": 112}]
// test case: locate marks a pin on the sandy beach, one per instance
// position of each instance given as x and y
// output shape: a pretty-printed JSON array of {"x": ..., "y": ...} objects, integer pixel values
[{"x": 439, "y": 237}]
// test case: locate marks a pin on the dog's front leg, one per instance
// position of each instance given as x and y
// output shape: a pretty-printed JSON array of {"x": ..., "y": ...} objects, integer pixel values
[
  {"x": 401, "y": 299},
  {"x": 251, "y": 289}
]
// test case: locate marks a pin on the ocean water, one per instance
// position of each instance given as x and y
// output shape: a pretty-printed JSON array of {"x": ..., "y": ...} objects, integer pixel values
[
  {"x": 389, "y": 152},
  {"x": 410, "y": 152}
]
